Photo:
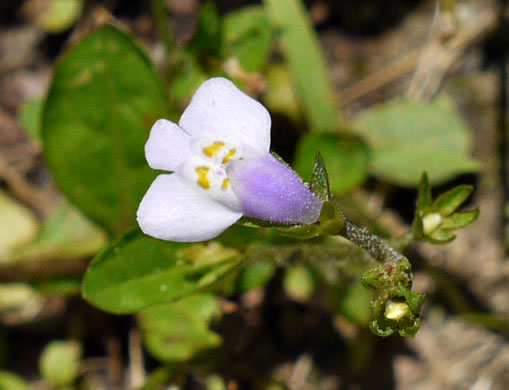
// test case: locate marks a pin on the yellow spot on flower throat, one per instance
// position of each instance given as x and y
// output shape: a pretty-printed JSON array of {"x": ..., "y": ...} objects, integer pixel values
[
  {"x": 203, "y": 178},
  {"x": 225, "y": 184},
  {"x": 212, "y": 150},
  {"x": 229, "y": 155}
]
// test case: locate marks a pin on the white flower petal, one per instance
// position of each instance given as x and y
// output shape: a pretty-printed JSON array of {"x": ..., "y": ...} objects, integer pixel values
[
  {"x": 167, "y": 146},
  {"x": 172, "y": 210},
  {"x": 220, "y": 110}
]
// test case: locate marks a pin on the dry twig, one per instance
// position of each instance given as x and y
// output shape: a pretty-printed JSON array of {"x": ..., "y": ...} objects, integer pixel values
[{"x": 433, "y": 61}]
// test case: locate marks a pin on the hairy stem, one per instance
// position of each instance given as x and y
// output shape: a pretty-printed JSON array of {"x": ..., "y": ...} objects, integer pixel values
[
  {"x": 402, "y": 242},
  {"x": 378, "y": 248}
]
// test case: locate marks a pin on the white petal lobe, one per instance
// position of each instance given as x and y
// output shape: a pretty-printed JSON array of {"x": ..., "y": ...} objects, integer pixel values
[
  {"x": 220, "y": 111},
  {"x": 167, "y": 147},
  {"x": 172, "y": 210}
]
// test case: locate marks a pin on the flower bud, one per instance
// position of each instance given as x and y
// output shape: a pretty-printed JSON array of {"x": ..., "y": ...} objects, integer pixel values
[
  {"x": 431, "y": 222},
  {"x": 396, "y": 310}
]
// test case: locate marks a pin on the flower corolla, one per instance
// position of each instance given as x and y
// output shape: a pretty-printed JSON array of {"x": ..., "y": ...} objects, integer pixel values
[{"x": 221, "y": 170}]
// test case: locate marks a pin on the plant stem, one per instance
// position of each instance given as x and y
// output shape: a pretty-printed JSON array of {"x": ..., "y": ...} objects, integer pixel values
[
  {"x": 402, "y": 242},
  {"x": 378, "y": 248}
]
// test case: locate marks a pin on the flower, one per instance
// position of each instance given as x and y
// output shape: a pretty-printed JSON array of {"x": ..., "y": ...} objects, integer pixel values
[{"x": 222, "y": 170}]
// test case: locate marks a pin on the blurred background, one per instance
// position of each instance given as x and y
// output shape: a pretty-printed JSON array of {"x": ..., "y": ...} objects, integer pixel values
[{"x": 381, "y": 57}]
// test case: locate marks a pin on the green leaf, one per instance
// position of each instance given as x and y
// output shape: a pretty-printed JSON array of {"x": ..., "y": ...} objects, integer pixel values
[
  {"x": 460, "y": 219},
  {"x": 256, "y": 275},
  {"x": 302, "y": 232},
  {"x": 18, "y": 226},
  {"x": 355, "y": 305},
  {"x": 187, "y": 77},
  {"x": 16, "y": 295},
  {"x": 418, "y": 228},
  {"x": 345, "y": 156},
  {"x": 408, "y": 138},
  {"x": 306, "y": 62},
  {"x": 67, "y": 233},
  {"x": 138, "y": 271},
  {"x": 104, "y": 97},
  {"x": 59, "y": 15},
  {"x": 320, "y": 179},
  {"x": 60, "y": 362},
  {"x": 258, "y": 223},
  {"x": 424, "y": 199},
  {"x": 280, "y": 96},
  {"x": 207, "y": 38},
  {"x": 59, "y": 287},
  {"x": 242, "y": 235},
  {"x": 178, "y": 331},
  {"x": 448, "y": 202},
  {"x": 29, "y": 115},
  {"x": 442, "y": 236},
  {"x": 247, "y": 36},
  {"x": 298, "y": 283},
  {"x": 215, "y": 382},
  {"x": 10, "y": 381},
  {"x": 160, "y": 377},
  {"x": 330, "y": 222}
]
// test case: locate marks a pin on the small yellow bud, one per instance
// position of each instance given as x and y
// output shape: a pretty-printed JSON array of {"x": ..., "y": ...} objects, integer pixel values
[
  {"x": 431, "y": 222},
  {"x": 396, "y": 310}
]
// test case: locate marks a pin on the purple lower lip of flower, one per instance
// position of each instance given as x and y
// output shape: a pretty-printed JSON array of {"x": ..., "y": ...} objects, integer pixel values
[{"x": 269, "y": 190}]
